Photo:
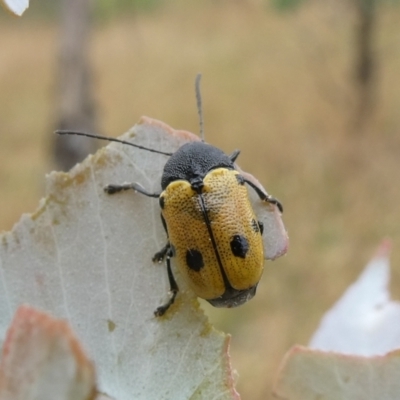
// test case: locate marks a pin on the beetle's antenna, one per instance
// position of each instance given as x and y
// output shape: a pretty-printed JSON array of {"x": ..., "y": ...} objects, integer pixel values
[
  {"x": 110, "y": 139},
  {"x": 199, "y": 106}
]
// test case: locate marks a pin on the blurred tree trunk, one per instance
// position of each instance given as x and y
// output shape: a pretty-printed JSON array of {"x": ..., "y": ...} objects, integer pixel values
[
  {"x": 365, "y": 63},
  {"x": 76, "y": 108}
]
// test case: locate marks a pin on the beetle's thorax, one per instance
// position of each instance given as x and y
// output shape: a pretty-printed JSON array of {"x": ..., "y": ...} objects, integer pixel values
[{"x": 192, "y": 162}]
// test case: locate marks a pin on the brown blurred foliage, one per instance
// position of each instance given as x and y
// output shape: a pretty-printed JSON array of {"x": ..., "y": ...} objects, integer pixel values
[{"x": 278, "y": 86}]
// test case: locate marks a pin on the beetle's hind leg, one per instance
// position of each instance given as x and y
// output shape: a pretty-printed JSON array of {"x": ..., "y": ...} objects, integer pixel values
[
  {"x": 167, "y": 252},
  {"x": 112, "y": 189}
]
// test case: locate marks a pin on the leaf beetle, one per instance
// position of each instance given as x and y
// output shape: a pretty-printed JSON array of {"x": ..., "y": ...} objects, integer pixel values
[{"x": 212, "y": 230}]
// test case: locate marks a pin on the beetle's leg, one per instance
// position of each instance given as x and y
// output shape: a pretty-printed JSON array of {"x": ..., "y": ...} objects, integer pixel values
[
  {"x": 166, "y": 252},
  {"x": 261, "y": 226},
  {"x": 265, "y": 197},
  {"x": 111, "y": 189},
  {"x": 173, "y": 287},
  {"x": 160, "y": 255}
]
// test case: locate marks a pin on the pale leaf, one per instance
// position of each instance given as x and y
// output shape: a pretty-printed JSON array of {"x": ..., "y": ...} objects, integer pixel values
[
  {"x": 308, "y": 374},
  {"x": 86, "y": 256},
  {"x": 42, "y": 360},
  {"x": 354, "y": 340},
  {"x": 17, "y": 7},
  {"x": 364, "y": 321}
]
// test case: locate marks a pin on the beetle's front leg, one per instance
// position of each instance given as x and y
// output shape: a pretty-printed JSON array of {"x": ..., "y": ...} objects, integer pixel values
[{"x": 137, "y": 187}]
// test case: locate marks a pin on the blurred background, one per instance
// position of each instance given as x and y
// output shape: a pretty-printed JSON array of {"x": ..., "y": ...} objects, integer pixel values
[{"x": 308, "y": 90}]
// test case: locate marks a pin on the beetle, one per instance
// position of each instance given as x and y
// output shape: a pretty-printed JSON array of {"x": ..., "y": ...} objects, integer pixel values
[{"x": 212, "y": 230}]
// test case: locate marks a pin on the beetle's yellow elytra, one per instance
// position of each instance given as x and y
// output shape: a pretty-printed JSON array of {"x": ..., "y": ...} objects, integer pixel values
[{"x": 238, "y": 252}]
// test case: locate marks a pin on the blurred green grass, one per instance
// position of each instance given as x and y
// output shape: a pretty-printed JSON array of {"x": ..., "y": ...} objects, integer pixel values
[{"x": 276, "y": 86}]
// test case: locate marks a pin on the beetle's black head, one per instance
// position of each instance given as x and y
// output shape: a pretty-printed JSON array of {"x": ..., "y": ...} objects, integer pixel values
[{"x": 192, "y": 162}]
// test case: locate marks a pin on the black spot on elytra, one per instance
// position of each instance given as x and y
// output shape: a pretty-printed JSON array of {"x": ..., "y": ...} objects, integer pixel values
[
  {"x": 261, "y": 225},
  {"x": 239, "y": 246},
  {"x": 240, "y": 179},
  {"x": 194, "y": 260},
  {"x": 161, "y": 200}
]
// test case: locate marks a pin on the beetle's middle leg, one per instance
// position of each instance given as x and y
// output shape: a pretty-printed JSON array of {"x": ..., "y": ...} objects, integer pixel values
[
  {"x": 166, "y": 251},
  {"x": 160, "y": 255}
]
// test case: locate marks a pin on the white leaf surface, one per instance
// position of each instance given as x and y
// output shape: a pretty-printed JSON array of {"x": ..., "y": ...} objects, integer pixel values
[
  {"x": 308, "y": 374},
  {"x": 86, "y": 256},
  {"x": 17, "y": 7},
  {"x": 364, "y": 321},
  {"x": 350, "y": 355}
]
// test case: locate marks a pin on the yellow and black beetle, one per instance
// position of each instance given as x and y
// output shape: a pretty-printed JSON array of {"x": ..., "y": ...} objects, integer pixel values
[{"x": 212, "y": 230}]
